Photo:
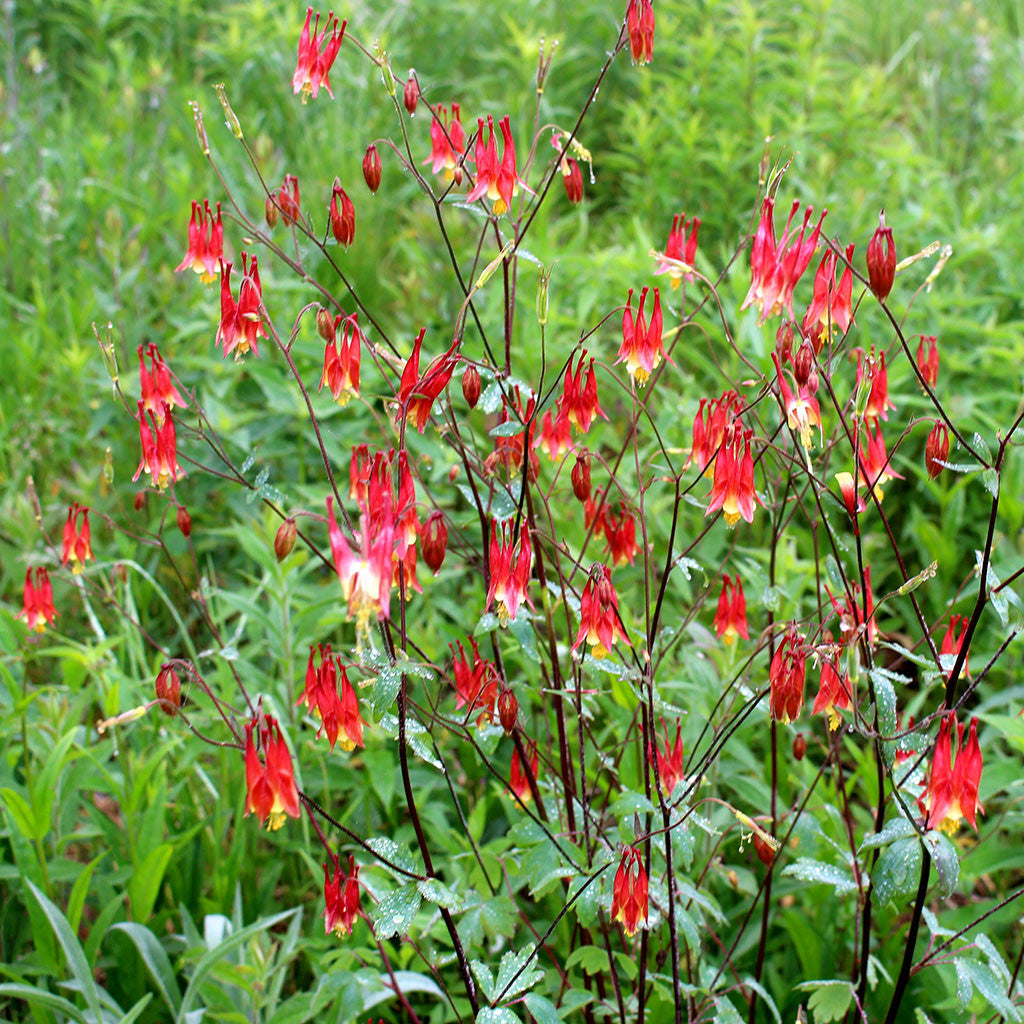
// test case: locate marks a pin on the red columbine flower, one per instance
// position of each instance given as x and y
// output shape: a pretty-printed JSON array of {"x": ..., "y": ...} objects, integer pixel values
[
  {"x": 416, "y": 394},
  {"x": 76, "y": 544},
  {"x": 571, "y": 176},
  {"x": 680, "y": 251},
  {"x": 713, "y": 416},
  {"x": 286, "y": 199},
  {"x": 240, "y": 323},
  {"x": 555, "y": 435},
  {"x": 168, "y": 690},
  {"x": 343, "y": 218},
  {"x": 801, "y": 408},
  {"x": 952, "y": 791},
  {"x": 317, "y": 51},
  {"x": 157, "y": 388},
  {"x": 509, "y": 448},
  {"x": 953, "y": 641},
  {"x": 599, "y": 613},
  {"x": 619, "y": 534},
  {"x": 833, "y": 693},
  {"x": 366, "y": 573},
  {"x": 205, "y": 242},
  {"x": 579, "y": 402},
  {"x": 510, "y": 570},
  {"x": 341, "y": 897},
  {"x": 731, "y": 616},
  {"x": 881, "y": 260},
  {"x": 159, "y": 449},
  {"x": 878, "y": 396},
  {"x": 498, "y": 181},
  {"x": 875, "y": 468},
  {"x": 37, "y": 607},
  {"x": 476, "y": 685},
  {"x": 851, "y": 612},
  {"x": 629, "y": 891},
  {"x": 936, "y": 449},
  {"x": 928, "y": 362},
  {"x": 341, "y": 362},
  {"x": 372, "y": 168},
  {"x": 641, "y": 346},
  {"x": 670, "y": 759},
  {"x": 518, "y": 778},
  {"x": 775, "y": 269},
  {"x": 407, "y": 525},
  {"x": 339, "y": 715},
  {"x": 831, "y": 307},
  {"x": 448, "y": 143},
  {"x": 786, "y": 677},
  {"x": 640, "y": 27},
  {"x": 271, "y": 793},
  {"x": 732, "y": 489}
]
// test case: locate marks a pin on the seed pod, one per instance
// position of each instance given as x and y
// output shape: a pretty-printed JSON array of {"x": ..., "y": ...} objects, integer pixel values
[
  {"x": 325, "y": 324},
  {"x": 881, "y": 260},
  {"x": 799, "y": 746},
  {"x": 271, "y": 213}
]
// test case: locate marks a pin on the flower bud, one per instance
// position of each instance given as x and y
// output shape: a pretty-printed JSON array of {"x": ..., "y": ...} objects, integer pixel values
[
  {"x": 573, "y": 182},
  {"x": 784, "y": 341},
  {"x": 765, "y": 854},
  {"x": 372, "y": 168},
  {"x": 928, "y": 362},
  {"x": 411, "y": 96},
  {"x": 168, "y": 690},
  {"x": 803, "y": 364},
  {"x": 271, "y": 213},
  {"x": 453, "y": 473},
  {"x": 936, "y": 449},
  {"x": 325, "y": 324},
  {"x": 471, "y": 386},
  {"x": 140, "y": 501},
  {"x": 508, "y": 710},
  {"x": 184, "y": 521},
  {"x": 581, "y": 477},
  {"x": 343, "y": 216},
  {"x": 284, "y": 539},
  {"x": 881, "y": 259},
  {"x": 799, "y": 746},
  {"x": 434, "y": 540}
]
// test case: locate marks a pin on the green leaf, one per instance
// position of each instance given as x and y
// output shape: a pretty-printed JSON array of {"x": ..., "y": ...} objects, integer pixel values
[
  {"x": 885, "y": 696},
  {"x": 592, "y": 959},
  {"x": 817, "y": 871},
  {"x": 21, "y": 814},
  {"x": 394, "y": 913},
  {"x": 134, "y": 1013},
  {"x": 437, "y": 892},
  {"x": 522, "y": 629},
  {"x": 80, "y": 890},
  {"x": 497, "y": 1015},
  {"x": 385, "y": 690},
  {"x": 988, "y": 986},
  {"x": 945, "y": 859},
  {"x": 40, "y": 997},
  {"x": 895, "y": 828},
  {"x": 829, "y": 999},
  {"x": 514, "y": 977},
  {"x": 543, "y": 1010},
  {"x": 898, "y": 869},
  {"x": 44, "y": 792},
  {"x": 400, "y": 856},
  {"x": 146, "y": 881},
  {"x": 156, "y": 960},
  {"x": 484, "y": 978}
]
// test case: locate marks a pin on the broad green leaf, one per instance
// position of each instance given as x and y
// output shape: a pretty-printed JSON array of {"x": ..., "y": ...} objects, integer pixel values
[
  {"x": 807, "y": 870},
  {"x": 146, "y": 881},
  {"x": 514, "y": 976},
  {"x": 898, "y": 869},
  {"x": 39, "y": 996},
  {"x": 593, "y": 959},
  {"x": 543, "y": 1010},
  {"x": 437, "y": 892},
  {"x": 385, "y": 690},
  {"x": 135, "y": 1012},
  {"x": 400, "y": 856},
  {"x": 80, "y": 890},
  {"x": 829, "y": 999},
  {"x": 894, "y": 828},
  {"x": 156, "y": 960},
  {"x": 395, "y": 912},
  {"x": 497, "y": 1015},
  {"x": 945, "y": 859}
]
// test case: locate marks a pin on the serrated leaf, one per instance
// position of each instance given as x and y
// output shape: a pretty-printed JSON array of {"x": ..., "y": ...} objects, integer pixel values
[
  {"x": 631, "y": 803},
  {"x": 945, "y": 859},
  {"x": 385, "y": 690},
  {"x": 490, "y": 399},
  {"x": 393, "y": 915},
  {"x": 989, "y": 987},
  {"x": 592, "y": 959},
  {"x": 897, "y": 871},
  {"x": 895, "y": 828},
  {"x": 830, "y": 1001},
  {"x": 514, "y": 977},
  {"x": 819, "y": 872},
  {"x": 434, "y": 891},
  {"x": 497, "y": 1015},
  {"x": 387, "y": 848},
  {"x": 484, "y": 978}
]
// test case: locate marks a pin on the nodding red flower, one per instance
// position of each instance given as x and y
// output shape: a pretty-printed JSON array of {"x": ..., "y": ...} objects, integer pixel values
[
  {"x": 875, "y": 468},
  {"x": 833, "y": 693},
  {"x": 448, "y": 143},
  {"x": 407, "y": 525},
  {"x": 498, "y": 181},
  {"x": 510, "y": 570},
  {"x": 831, "y": 308},
  {"x": 168, "y": 690},
  {"x": 928, "y": 362},
  {"x": 205, "y": 242},
  {"x": 680, "y": 251},
  {"x": 366, "y": 573},
  {"x": 271, "y": 794},
  {"x": 555, "y": 435},
  {"x": 579, "y": 402},
  {"x": 509, "y": 447},
  {"x": 851, "y": 612},
  {"x": 881, "y": 260},
  {"x": 952, "y": 791},
  {"x": 640, "y": 28},
  {"x": 359, "y": 473},
  {"x": 878, "y": 396},
  {"x": 341, "y": 897},
  {"x": 434, "y": 541},
  {"x": 775, "y": 269},
  {"x": 732, "y": 489},
  {"x": 731, "y": 616},
  {"x": 411, "y": 93},
  {"x": 76, "y": 545},
  {"x": 952, "y": 642},
  {"x": 341, "y": 362},
  {"x": 159, "y": 449},
  {"x": 713, "y": 416},
  {"x": 669, "y": 759},
  {"x": 240, "y": 323},
  {"x": 372, "y": 168},
  {"x": 416, "y": 394},
  {"x": 641, "y": 346},
  {"x": 476, "y": 685},
  {"x": 572, "y": 178},
  {"x": 619, "y": 534},
  {"x": 629, "y": 891},
  {"x": 936, "y": 449},
  {"x": 786, "y": 677},
  {"x": 339, "y": 714},
  {"x": 317, "y": 51},
  {"x": 600, "y": 625},
  {"x": 801, "y": 408},
  {"x": 518, "y": 777},
  {"x": 286, "y": 199},
  {"x": 343, "y": 218},
  {"x": 37, "y": 606},
  {"x": 157, "y": 388}
]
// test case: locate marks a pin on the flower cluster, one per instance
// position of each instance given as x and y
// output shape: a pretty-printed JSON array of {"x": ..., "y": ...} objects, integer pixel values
[
  {"x": 76, "y": 542},
  {"x": 713, "y": 416},
  {"x": 732, "y": 489},
  {"x": 270, "y": 784},
  {"x": 731, "y": 615},
  {"x": 241, "y": 323},
  {"x": 476, "y": 685},
  {"x": 641, "y": 347},
  {"x": 669, "y": 758},
  {"x": 680, "y": 251},
  {"x": 317, "y": 52},
  {"x": 417, "y": 393},
  {"x": 619, "y": 528},
  {"x": 497, "y": 180},
  {"x": 786, "y": 677},
  {"x": 341, "y": 897},
  {"x": 510, "y": 569},
  {"x": 952, "y": 790},
  {"x": 205, "y": 242},
  {"x": 338, "y": 712},
  {"x": 37, "y": 605},
  {"x": 341, "y": 358},
  {"x": 600, "y": 624},
  {"x": 629, "y": 891}
]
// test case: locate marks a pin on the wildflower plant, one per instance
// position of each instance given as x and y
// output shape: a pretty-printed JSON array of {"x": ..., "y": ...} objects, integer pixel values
[{"x": 511, "y": 696}]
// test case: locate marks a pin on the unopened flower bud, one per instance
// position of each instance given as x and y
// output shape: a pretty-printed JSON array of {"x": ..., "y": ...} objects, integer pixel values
[
  {"x": 453, "y": 473},
  {"x": 881, "y": 260},
  {"x": 271, "y": 212},
  {"x": 139, "y": 501},
  {"x": 784, "y": 340},
  {"x": 168, "y": 690},
  {"x": 184, "y": 521},
  {"x": 411, "y": 96},
  {"x": 799, "y": 746},
  {"x": 284, "y": 539},
  {"x": 581, "y": 477},
  {"x": 508, "y": 710},
  {"x": 803, "y": 364},
  {"x": 936, "y": 450},
  {"x": 342, "y": 216},
  {"x": 573, "y": 182},
  {"x": 372, "y": 168},
  {"x": 325, "y": 324},
  {"x": 471, "y": 386},
  {"x": 434, "y": 540},
  {"x": 928, "y": 361},
  {"x": 765, "y": 854}
]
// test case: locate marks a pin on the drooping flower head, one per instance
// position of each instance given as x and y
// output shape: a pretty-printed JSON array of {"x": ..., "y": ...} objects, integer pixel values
[
  {"x": 37, "y": 605},
  {"x": 600, "y": 624},
  {"x": 417, "y": 394},
  {"x": 156, "y": 385},
  {"x": 286, "y": 199},
  {"x": 339, "y": 714},
  {"x": 342, "y": 215},
  {"x": 831, "y": 308},
  {"x": 953, "y": 642},
  {"x": 731, "y": 615},
  {"x": 341, "y": 898},
  {"x": 928, "y": 359},
  {"x": 168, "y": 690},
  {"x": 448, "y": 143},
  {"x": 555, "y": 435},
  {"x": 875, "y": 468},
  {"x": 499, "y": 181},
  {"x": 341, "y": 358},
  {"x": 833, "y": 693},
  {"x": 241, "y": 324},
  {"x": 510, "y": 445},
  {"x": 732, "y": 489},
  {"x": 579, "y": 402},
  {"x": 881, "y": 260},
  {"x": 800, "y": 406},
  {"x": 641, "y": 347},
  {"x": 619, "y": 534},
  {"x": 205, "y": 242},
  {"x": 270, "y": 784},
  {"x": 519, "y": 776},
  {"x": 629, "y": 891},
  {"x": 851, "y": 612},
  {"x": 365, "y": 569},
  {"x": 76, "y": 541},
  {"x": 159, "y": 449},
  {"x": 713, "y": 416},
  {"x": 510, "y": 569},
  {"x": 952, "y": 792},
  {"x": 878, "y": 382},
  {"x": 680, "y": 251},
  {"x": 317, "y": 51},
  {"x": 640, "y": 28},
  {"x": 936, "y": 449},
  {"x": 786, "y": 677},
  {"x": 476, "y": 685},
  {"x": 669, "y": 758}
]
